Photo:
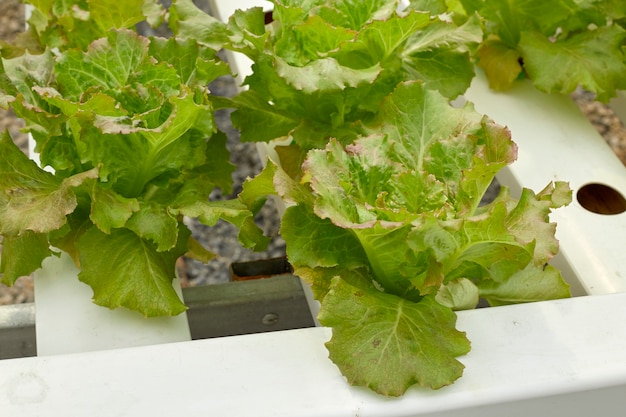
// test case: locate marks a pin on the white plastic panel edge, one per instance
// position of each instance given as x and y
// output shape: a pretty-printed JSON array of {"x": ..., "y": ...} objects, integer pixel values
[{"x": 560, "y": 358}]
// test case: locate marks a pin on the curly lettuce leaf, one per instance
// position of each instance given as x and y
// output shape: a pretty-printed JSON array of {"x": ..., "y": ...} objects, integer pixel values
[
  {"x": 379, "y": 40},
  {"x": 533, "y": 283},
  {"x": 157, "y": 125},
  {"x": 324, "y": 74},
  {"x": 217, "y": 166},
  {"x": 22, "y": 255},
  {"x": 388, "y": 343},
  {"x": 154, "y": 222},
  {"x": 187, "y": 21},
  {"x": 109, "y": 209},
  {"x": 76, "y": 23},
  {"x": 316, "y": 76},
  {"x": 116, "y": 15},
  {"x": 354, "y": 15},
  {"x": 477, "y": 247},
  {"x": 31, "y": 198},
  {"x": 314, "y": 38},
  {"x": 22, "y": 73},
  {"x": 593, "y": 60},
  {"x": 439, "y": 55},
  {"x": 316, "y": 242},
  {"x": 232, "y": 211},
  {"x": 195, "y": 64},
  {"x": 559, "y": 44},
  {"x": 501, "y": 64},
  {"x": 529, "y": 219},
  {"x": 246, "y": 31},
  {"x": 124, "y": 270},
  {"x": 111, "y": 63},
  {"x": 449, "y": 155}
]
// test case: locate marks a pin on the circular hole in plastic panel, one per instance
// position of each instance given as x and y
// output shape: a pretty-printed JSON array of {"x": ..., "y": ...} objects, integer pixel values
[{"x": 601, "y": 199}]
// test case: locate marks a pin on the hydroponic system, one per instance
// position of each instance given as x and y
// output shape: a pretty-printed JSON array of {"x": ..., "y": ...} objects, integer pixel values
[{"x": 384, "y": 123}]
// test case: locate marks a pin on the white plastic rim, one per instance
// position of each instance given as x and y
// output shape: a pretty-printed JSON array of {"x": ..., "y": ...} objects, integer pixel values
[{"x": 561, "y": 358}]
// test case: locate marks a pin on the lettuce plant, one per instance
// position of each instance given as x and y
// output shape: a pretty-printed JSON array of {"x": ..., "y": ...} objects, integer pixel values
[
  {"x": 389, "y": 232},
  {"x": 126, "y": 124},
  {"x": 323, "y": 66},
  {"x": 559, "y": 44}
]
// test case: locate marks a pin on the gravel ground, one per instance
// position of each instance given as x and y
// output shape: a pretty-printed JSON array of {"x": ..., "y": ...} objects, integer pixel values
[{"x": 222, "y": 238}]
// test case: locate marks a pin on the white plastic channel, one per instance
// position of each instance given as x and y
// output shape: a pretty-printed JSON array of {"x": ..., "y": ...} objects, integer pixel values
[{"x": 560, "y": 359}]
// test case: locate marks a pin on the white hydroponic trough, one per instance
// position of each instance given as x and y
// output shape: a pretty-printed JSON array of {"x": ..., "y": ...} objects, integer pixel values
[{"x": 563, "y": 358}]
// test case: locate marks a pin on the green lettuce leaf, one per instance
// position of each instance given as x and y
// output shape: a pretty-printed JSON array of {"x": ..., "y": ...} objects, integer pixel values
[
  {"x": 460, "y": 294},
  {"x": 76, "y": 23},
  {"x": 316, "y": 242},
  {"x": 22, "y": 255},
  {"x": 159, "y": 126},
  {"x": 533, "y": 283},
  {"x": 116, "y": 15},
  {"x": 560, "y": 45},
  {"x": 246, "y": 31},
  {"x": 195, "y": 64},
  {"x": 354, "y": 15},
  {"x": 529, "y": 220},
  {"x": 112, "y": 63},
  {"x": 31, "y": 198},
  {"x": 592, "y": 60},
  {"x": 188, "y": 21},
  {"x": 26, "y": 71},
  {"x": 379, "y": 40},
  {"x": 388, "y": 343},
  {"x": 154, "y": 222},
  {"x": 110, "y": 210},
  {"x": 318, "y": 76},
  {"x": 232, "y": 211},
  {"x": 126, "y": 271},
  {"x": 217, "y": 166},
  {"x": 501, "y": 63}
]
